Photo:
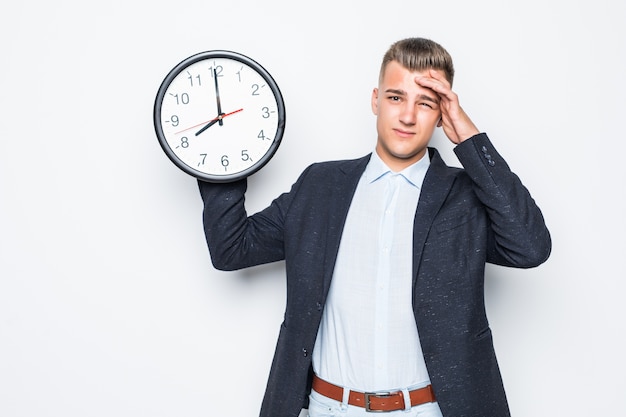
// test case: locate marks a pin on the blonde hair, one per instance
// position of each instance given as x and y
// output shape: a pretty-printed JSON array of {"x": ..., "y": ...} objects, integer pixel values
[{"x": 419, "y": 54}]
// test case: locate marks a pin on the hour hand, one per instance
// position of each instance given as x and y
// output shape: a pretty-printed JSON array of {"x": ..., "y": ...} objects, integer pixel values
[{"x": 208, "y": 125}]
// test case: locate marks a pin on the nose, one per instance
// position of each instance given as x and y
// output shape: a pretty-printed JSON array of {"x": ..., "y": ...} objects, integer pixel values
[{"x": 408, "y": 114}]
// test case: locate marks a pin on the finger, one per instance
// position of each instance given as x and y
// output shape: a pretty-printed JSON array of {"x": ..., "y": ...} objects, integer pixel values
[
  {"x": 439, "y": 76},
  {"x": 439, "y": 85},
  {"x": 426, "y": 81},
  {"x": 434, "y": 75}
]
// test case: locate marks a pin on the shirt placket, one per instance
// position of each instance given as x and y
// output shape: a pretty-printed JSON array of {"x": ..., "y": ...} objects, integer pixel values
[{"x": 381, "y": 318}]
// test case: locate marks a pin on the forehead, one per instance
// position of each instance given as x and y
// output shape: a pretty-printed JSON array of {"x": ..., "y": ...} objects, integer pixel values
[
  {"x": 398, "y": 77},
  {"x": 394, "y": 72}
]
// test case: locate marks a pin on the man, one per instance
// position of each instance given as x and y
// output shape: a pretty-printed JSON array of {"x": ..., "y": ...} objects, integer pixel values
[{"x": 385, "y": 258}]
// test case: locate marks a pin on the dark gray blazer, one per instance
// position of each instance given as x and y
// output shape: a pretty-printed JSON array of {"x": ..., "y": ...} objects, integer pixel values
[{"x": 464, "y": 218}]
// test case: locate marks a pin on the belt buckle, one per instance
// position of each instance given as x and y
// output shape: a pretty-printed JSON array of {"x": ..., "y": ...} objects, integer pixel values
[{"x": 378, "y": 395}]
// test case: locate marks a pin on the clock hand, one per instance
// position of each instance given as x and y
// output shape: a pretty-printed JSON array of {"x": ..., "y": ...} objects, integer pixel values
[
  {"x": 208, "y": 125},
  {"x": 217, "y": 97},
  {"x": 211, "y": 122},
  {"x": 208, "y": 121}
]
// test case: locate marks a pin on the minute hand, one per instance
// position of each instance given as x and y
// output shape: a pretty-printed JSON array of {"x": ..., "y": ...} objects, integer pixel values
[{"x": 217, "y": 95}]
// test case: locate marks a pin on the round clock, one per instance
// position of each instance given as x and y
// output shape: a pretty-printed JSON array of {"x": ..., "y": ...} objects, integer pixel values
[{"x": 219, "y": 116}]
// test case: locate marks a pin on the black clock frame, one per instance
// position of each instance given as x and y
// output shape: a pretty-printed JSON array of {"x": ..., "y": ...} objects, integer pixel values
[{"x": 270, "y": 82}]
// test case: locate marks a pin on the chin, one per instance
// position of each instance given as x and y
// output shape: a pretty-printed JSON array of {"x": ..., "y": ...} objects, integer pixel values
[{"x": 415, "y": 154}]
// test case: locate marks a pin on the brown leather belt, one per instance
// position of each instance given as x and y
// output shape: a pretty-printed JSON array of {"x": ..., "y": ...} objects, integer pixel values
[{"x": 374, "y": 401}]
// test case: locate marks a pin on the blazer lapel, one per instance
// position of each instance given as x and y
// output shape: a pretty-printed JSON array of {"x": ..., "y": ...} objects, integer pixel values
[
  {"x": 346, "y": 184},
  {"x": 437, "y": 184}
]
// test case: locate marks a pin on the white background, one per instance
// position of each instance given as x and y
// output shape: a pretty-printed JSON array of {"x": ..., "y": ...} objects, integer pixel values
[{"x": 109, "y": 305}]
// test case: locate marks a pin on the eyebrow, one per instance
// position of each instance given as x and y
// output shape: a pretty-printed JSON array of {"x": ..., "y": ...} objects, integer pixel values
[{"x": 403, "y": 93}]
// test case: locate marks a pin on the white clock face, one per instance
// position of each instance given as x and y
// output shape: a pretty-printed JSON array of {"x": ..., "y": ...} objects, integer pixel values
[{"x": 220, "y": 118}]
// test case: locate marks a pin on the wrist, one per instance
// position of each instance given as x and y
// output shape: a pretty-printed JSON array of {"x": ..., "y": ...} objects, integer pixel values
[{"x": 468, "y": 135}]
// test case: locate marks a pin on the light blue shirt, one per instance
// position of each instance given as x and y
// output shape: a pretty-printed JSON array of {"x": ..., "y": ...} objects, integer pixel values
[{"x": 368, "y": 339}]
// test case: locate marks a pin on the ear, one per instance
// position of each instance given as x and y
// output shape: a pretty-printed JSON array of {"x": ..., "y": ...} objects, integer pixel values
[{"x": 375, "y": 101}]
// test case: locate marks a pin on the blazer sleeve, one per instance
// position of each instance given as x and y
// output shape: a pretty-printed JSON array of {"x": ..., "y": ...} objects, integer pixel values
[
  {"x": 236, "y": 240},
  {"x": 518, "y": 236}
]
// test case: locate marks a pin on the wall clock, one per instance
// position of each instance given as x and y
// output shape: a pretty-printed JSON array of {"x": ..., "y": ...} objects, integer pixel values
[{"x": 219, "y": 116}]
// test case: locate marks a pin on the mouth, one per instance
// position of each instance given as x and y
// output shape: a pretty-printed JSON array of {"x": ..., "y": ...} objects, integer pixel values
[{"x": 403, "y": 133}]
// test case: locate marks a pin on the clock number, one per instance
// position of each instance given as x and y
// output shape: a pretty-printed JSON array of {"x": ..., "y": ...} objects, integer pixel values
[
  {"x": 266, "y": 112},
  {"x": 262, "y": 136},
  {"x": 255, "y": 89},
  {"x": 183, "y": 99},
  {"x": 218, "y": 70},
  {"x": 239, "y": 74},
  {"x": 184, "y": 142},
  {"x": 173, "y": 120},
  {"x": 191, "y": 77},
  {"x": 245, "y": 156},
  {"x": 225, "y": 162},
  {"x": 202, "y": 159}
]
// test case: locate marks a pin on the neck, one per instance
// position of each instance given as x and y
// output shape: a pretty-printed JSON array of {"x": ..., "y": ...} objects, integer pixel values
[{"x": 399, "y": 163}]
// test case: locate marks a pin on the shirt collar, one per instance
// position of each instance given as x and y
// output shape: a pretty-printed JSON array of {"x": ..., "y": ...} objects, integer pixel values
[{"x": 414, "y": 174}]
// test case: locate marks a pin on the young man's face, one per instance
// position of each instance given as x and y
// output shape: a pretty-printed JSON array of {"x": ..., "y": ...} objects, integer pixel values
[{"x": 407, "y": 115}]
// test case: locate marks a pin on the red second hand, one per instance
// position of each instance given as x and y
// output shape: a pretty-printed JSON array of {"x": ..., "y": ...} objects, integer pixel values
[{"x": 209, "y": 121}]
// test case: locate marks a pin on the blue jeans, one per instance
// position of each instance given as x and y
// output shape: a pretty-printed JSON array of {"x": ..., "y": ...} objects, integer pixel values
[{"x": 320, "y": 406}]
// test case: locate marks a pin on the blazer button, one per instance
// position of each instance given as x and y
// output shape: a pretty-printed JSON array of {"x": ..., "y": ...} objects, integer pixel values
[
  {"x": 305, "y": 352},
  {"x": 319, "y": 306}
]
